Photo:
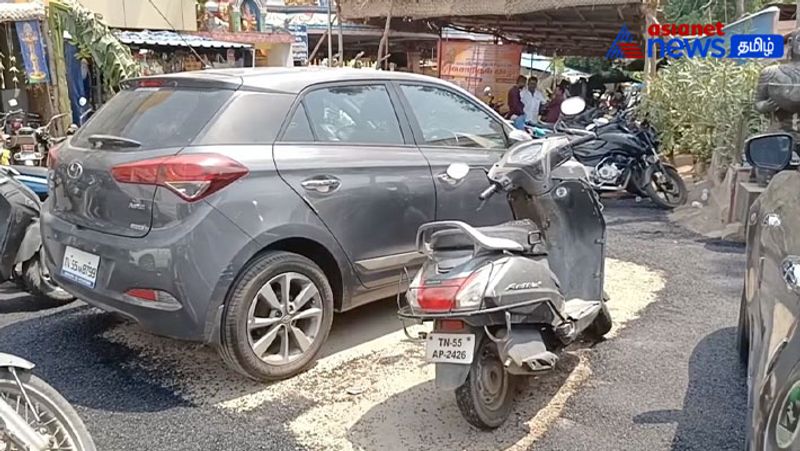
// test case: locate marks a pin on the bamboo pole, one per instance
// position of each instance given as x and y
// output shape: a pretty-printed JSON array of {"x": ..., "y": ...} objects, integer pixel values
[
  {"x": 383, "y": 46},
  {"x": 330, "y": 32},
  {"x": 316, "y": 47},
  {"x": 341, "y": 33}
]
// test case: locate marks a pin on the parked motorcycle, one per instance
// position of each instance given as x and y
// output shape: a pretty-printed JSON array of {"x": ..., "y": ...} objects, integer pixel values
[
  {"x": 33, "y": 415},
  {"x": 625, "y": 157},
  {"x": 21, "y": 252},
  {"x": 30, "y": 146},
  {"x": 504, "y": 300}
]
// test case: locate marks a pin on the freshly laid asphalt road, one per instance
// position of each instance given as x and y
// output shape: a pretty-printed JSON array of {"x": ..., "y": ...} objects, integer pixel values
[{"x": 669, "y": 380}]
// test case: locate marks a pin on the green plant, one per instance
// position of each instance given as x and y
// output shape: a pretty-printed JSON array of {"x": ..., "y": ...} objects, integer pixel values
[
  {"x": 112, "y": 57},
  {"x": 704, "y": 106}
]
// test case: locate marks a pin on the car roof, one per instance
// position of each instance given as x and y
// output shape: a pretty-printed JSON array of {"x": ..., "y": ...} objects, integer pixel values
[{"x": 295, "y": 79}]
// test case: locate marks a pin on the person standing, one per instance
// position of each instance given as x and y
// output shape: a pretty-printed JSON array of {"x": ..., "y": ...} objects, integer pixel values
[
  {"x": 515, "y": 106},
  {"x": 532, "y": 100},
  {"x": 554, "y": 107}
]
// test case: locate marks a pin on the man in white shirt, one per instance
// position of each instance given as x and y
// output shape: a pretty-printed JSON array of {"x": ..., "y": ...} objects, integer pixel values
[{"x": 532, "y": 100}]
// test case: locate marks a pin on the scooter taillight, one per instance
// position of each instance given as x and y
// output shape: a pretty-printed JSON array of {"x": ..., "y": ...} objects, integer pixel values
[{"x": 439, "y": 295}]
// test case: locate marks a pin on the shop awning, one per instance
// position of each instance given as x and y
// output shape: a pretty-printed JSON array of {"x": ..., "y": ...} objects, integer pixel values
[
  {"x": 562, "y": 27},
  {"x": 14, "y": 12},
  {"x": 172, "y": 39}
]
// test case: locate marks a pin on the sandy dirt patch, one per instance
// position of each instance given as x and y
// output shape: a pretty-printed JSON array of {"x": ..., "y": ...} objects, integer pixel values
[{"x": 377, "y": 393}]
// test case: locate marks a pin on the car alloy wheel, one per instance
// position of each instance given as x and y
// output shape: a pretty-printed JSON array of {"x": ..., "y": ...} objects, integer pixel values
[{"x": 284, "y": 318}]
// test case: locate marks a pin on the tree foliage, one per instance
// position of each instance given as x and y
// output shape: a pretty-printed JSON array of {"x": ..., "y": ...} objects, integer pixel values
[
  {"x": 702, "y": 106},
  {"x": 705, "y": 11},
  {"x": 112, "y": 57}
]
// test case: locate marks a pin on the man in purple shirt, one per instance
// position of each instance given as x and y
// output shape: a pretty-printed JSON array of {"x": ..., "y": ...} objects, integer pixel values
[{"x": 515, "y": 105}]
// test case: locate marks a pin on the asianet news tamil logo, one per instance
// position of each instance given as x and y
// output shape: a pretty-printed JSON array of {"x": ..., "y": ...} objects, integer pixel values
[{"x": 695, "y": 41}]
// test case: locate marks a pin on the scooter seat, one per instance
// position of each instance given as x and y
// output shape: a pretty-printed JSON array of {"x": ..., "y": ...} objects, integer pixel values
[
  {"x": 31, "y": 171},
  {"x": 525, "y": 232}
]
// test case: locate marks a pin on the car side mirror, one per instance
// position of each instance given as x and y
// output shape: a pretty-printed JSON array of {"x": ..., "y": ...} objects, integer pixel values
[{"x": 769, "y": 153}]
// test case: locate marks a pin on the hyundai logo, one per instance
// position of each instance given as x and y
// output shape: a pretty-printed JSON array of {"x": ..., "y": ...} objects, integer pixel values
[{"x": 74, "y": 170}]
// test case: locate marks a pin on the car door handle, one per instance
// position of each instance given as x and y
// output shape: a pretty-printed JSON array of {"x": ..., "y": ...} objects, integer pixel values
[
  {"x": 790, "y": 267},
  {"x": 324, "y": 184},
  {"x": 772, "y": 220}
]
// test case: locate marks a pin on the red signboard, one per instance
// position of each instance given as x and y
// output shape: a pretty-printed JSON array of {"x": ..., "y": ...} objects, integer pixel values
[{"x": 476, "y": 65}]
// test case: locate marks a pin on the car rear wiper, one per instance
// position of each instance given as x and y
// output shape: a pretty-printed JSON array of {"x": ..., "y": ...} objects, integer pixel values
[{"x": 113, "y": 141}]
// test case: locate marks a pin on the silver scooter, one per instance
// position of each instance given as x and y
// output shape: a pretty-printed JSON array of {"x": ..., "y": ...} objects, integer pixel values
[
  {"x": 505, "y": 299},
  {"x": 33, "y": 415}
]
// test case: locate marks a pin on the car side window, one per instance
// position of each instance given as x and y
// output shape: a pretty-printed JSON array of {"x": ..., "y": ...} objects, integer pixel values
[
  {"x": 451, "y": 120},
  {"x": 299, "y": 130},
  {"x": 361, "y": 114}
]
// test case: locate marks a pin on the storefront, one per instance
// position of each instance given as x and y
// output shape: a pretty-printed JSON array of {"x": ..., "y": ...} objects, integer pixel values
[
  {"x": 25, "y": 71},
  {"x": 246, "y": 21},
  {"x": 161, "y": 52}
]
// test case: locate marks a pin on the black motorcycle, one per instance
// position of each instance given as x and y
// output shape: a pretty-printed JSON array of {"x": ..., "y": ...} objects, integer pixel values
[
  {"x": 625, "y": 157},
  {"x": 504, "y": 300},
  {"x": 21, "y": 252}
]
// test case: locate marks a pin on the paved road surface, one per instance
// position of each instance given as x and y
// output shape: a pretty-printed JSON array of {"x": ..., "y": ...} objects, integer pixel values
[{"x": 669, "y": 380}]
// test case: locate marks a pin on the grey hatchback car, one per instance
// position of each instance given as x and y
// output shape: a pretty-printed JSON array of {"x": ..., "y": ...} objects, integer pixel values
[{"x": 243, "y": 207}]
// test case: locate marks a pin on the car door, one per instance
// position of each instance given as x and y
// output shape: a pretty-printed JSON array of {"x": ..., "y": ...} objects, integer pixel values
[
  {"x": 351, "y": 158},
  {"x": 778, "y": 285},
  {"x": 451, "y": 127}
]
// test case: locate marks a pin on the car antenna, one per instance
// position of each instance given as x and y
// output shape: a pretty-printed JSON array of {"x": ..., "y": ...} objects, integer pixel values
[{"x": 174, "y": 30}]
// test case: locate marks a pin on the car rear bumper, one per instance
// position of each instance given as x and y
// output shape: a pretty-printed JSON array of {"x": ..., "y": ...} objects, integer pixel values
[{"x": 191, "y": 263}]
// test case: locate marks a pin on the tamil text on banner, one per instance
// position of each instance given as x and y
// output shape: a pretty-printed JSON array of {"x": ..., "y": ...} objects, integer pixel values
[
  {"x": 32, "y": 49},
  {"x": 476, "y": 65}
]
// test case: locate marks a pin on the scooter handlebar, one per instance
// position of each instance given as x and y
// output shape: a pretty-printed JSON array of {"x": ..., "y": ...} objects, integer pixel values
[{"x": 489, "y": 192}]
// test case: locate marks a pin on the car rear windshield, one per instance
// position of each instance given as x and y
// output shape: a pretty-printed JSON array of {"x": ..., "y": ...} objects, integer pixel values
[{"x": 155, "y": 117}]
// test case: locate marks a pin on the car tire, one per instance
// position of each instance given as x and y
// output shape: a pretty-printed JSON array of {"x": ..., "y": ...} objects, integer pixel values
[
  {"x": 239, "y": 340},
  {"x": 743, "y": 333}
]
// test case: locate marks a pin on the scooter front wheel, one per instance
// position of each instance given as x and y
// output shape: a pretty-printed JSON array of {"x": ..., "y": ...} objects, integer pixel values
[
  {"x": 45, "y": 410},
  {"x": 486, "y": 398}
]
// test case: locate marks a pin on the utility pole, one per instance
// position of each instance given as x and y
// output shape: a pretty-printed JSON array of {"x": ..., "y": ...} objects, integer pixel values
[{"x": 740, "y": 8}]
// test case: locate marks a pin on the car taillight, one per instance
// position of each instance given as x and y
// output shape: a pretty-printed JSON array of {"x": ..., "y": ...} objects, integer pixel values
[
  {"x": 191, "y": 176},
  {"x": 144, "y": 294}
]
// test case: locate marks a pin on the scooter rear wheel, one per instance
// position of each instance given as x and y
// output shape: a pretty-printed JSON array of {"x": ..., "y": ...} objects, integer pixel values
[{"x": 487, "y": 396}]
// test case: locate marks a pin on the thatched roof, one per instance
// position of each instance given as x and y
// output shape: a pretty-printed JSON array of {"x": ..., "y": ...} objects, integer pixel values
[{"x": 564, "y": 27}]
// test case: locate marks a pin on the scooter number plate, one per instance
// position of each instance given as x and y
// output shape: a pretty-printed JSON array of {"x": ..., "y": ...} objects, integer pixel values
[
  {"x": 450, "y": 348},
  {"x": 79, "y": 266}
]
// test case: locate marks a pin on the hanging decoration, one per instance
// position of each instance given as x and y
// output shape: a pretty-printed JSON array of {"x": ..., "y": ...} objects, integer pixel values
[{"x": 32, "y": 50}]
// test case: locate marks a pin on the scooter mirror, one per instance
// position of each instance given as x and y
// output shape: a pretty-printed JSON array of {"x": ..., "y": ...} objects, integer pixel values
[
  {"x": 72, "y": 129},
  {"x": 457, "y": 171},
  {"x": 487, "y": 91},
  {"x": 573, "y": 106},
  {"x": 82, "y": 101},
  {"x": 12, "y": 103}
]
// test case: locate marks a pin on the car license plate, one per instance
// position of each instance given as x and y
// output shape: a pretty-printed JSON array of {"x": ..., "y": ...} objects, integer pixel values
[
  {"x": 79, "y": 266},
  {"x": 450, "y": 348}
]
